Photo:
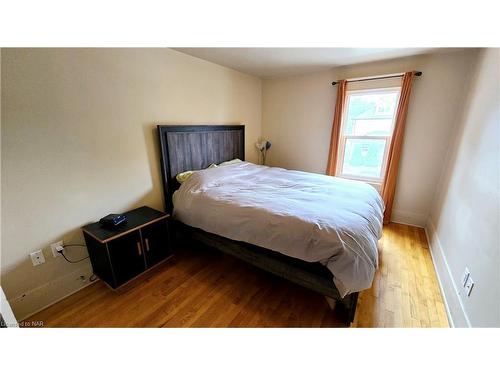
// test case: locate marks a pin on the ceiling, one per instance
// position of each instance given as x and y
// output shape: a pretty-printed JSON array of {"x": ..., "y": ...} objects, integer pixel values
[{"x": 275, "y": 62}]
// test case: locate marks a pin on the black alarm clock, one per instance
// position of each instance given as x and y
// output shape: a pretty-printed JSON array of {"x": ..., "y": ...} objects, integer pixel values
[{"x": 113, "y": 221}]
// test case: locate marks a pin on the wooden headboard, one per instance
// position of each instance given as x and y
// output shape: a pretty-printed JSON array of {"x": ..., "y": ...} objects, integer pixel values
[{"x": 190, "y": 148}]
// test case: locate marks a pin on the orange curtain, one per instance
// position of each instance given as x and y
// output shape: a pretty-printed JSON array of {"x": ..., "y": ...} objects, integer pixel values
[
  {"x": 337, "y": 122},
  {"x": 391, "y": 172}
]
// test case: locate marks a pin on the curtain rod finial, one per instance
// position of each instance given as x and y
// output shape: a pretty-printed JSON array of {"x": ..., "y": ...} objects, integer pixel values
[{"x": 334, "y": 83}]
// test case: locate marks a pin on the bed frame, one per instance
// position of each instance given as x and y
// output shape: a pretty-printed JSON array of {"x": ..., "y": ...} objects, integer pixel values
[{"x": 185, "y": 148}]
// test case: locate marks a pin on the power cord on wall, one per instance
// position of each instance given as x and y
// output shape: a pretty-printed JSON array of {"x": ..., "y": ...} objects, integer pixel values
[{"x": 60, "y": 250}]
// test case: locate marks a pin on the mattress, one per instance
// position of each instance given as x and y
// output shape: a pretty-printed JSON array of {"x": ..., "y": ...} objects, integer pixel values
[{"x": 312, "y": 217}]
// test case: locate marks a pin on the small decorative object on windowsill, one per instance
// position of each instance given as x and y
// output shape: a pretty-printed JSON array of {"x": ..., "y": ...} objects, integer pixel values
[{"x": 263, "y": 147}]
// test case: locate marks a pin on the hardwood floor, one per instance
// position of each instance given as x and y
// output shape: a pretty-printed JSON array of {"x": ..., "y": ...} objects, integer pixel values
[{"x": 200, "y": 287}]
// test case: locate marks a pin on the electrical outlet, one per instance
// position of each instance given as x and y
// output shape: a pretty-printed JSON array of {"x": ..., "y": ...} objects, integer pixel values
[
  {"x": 468, "y": 286},
  {"x": 54, "y": 246},
  {"x": 465, "y": 276},
  {"x": 37, "y": 257}
]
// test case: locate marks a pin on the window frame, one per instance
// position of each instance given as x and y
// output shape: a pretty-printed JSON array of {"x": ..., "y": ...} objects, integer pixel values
[{"x": 376, "y": 182}]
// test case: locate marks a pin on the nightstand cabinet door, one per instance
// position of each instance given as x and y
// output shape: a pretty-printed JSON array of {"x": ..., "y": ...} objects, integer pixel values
[
  {"x": 155, "y": 241},
  {"x": 127, "y": 257}
]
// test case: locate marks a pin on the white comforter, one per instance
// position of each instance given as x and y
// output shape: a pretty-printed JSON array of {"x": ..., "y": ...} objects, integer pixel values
[{"x": 303, "y": 215}]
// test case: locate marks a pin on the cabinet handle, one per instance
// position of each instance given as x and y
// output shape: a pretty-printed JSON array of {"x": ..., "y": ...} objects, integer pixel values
[
  {"x": 147, "y": 245},
  {"x": 139, "y": 249}
]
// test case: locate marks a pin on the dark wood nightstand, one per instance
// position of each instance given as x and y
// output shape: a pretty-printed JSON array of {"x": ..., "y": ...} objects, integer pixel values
[{"x": 120, "y": 255}]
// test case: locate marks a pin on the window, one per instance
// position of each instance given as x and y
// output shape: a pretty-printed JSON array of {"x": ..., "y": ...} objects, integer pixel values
[{"x": 365, "y": 134}]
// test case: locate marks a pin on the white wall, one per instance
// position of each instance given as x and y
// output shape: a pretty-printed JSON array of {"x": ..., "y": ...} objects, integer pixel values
[
  {"x": 464, "y": 223},
  {"x": 297, "y": 116},
  {"x": 79, "y": 142}
]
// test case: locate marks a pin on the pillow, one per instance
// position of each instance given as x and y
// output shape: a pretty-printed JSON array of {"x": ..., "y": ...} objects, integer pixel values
[
  {"x": 183, "y": 176},
  {"x": 230, "y": 162}
]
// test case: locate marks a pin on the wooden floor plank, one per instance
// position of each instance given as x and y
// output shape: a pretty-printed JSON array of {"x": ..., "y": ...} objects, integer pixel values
[{"x": 200, "y": 287}]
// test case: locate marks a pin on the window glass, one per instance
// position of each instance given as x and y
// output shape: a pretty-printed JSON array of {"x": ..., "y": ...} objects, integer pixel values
[
  {"x": 366, "y": 133},
  {"x": 370, "y": 114},
  {"x": 364, "y": 157}
]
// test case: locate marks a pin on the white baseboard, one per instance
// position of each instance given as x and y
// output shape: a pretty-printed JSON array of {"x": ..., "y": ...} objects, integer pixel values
[
  {"x": 43, "y": 296},
  {"x": 457, "y": 316},
  {"x": 409, "y": 218}
]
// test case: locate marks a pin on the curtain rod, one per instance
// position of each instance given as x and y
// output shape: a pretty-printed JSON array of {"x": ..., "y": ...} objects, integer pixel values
[{"x": 418, "y": 74}]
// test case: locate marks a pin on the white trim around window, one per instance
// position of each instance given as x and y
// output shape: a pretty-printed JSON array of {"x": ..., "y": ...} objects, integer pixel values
[{"x": 343, "y": 138}]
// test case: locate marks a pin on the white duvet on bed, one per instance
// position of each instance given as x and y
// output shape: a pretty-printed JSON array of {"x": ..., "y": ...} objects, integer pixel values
[{"x": 308, "y": 216}]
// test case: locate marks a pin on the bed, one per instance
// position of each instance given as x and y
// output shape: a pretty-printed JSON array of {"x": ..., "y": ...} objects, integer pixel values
[{"x": 278, "y": 220}]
